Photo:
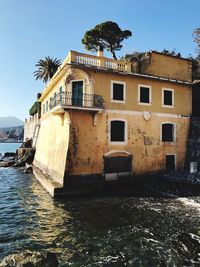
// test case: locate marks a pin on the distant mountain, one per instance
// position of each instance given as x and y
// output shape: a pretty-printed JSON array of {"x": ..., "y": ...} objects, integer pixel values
[{"x": 10, "y": 122}]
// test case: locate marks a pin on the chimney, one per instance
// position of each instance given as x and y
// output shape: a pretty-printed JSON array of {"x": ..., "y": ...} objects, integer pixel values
[{"x": 100, "y": 51}]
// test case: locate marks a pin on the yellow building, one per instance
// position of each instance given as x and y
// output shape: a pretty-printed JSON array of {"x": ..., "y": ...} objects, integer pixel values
[{"x": 104, "y": 120}]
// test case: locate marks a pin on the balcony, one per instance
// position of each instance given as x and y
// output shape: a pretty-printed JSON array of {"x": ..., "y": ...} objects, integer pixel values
[
  {"x": 98, "y": 62},
  {"x": 67, "y": 100}
]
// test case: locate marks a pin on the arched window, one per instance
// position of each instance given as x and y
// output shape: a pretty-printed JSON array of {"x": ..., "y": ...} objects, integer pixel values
[{"x": 168, "y": 132}]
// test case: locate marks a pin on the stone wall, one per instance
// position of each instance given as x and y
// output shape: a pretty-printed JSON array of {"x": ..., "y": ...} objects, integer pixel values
[{"x": 30, "y": 125}]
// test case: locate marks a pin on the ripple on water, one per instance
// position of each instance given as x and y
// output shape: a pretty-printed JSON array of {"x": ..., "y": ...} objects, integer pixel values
[{"x": 103, "y": 231}]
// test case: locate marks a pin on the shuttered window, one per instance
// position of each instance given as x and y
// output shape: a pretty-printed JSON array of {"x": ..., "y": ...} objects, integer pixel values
[
  {"x": 118, "y": 91},
  {"x": 144, "y": 95},
  {"x": 117, "y": 133},
  {"x": 167, "y": 132}
]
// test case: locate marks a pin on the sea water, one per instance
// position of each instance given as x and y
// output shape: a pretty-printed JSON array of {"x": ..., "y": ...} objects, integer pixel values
[
  {"x": 9, "y": 147},
  {"x": 101, "y": 230}
]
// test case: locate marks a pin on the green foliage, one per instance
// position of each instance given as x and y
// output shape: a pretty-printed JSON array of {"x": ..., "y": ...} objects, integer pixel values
[
  {"x": 46, "y": 68},
  {"x": 106, "y": 35},
  {"x": 35, "y": 108},
  {"x": 196, "y": 60},
  {"x": 195, "y": 68},
  {"x": 171, "y": 53},
  {"x": 136, "y": 56}
]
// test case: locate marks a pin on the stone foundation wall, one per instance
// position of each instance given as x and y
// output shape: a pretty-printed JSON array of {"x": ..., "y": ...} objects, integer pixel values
[{"x": 52, "y": 146}]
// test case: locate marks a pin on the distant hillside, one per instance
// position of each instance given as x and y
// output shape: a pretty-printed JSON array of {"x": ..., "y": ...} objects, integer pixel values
[{"x": 10, "y": 122}]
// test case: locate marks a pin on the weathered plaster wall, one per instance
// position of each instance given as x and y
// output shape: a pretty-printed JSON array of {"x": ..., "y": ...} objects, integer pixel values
[
  {"x": 52, "y": 145},
  {"x": 89, "y": 142},
  {"x": 168, "y": 66},
  {"x": 88, "y": 133},
  {"x": 182, "y": 93}
]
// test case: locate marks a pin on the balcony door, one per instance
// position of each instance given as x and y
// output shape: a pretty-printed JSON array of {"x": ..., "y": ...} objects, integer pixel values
[{"x": 77, "y": 93}]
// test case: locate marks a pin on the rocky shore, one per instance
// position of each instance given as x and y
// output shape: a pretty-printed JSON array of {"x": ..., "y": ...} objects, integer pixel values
[{"x": 23, "y": 157}]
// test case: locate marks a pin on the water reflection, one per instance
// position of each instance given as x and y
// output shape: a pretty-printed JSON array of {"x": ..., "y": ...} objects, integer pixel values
[{"x": 100, "y": 231}]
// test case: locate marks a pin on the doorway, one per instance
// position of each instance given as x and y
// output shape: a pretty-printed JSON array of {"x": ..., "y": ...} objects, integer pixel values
[
  {"x": 77, "y": 93},
  {"x": 117, "y": 166},
  {"x": 170, "y": 163}
]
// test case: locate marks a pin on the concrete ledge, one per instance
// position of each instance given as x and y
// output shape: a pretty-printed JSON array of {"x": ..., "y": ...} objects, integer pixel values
[
  {"x": 56, "y": 190},
  {"x": 52, "y": 187}
]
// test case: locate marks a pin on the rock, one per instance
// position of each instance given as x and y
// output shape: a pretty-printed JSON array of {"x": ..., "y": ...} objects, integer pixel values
[
  {"x": 28, "y": 157},
  {"x": 28, "y": 168},
  {"x": 30, "y": 259},
  {"x": 27, "y": 144},
  {"x": 7, "y": 163},
  {"x": 9, "y": 154},
  {"x": 20, "y": 152}
]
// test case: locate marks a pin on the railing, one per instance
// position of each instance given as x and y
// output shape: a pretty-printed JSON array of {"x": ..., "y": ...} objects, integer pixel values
[
  {"x": 77, "y": 100},
  {"x": 88, "y": 60},
  {"x": 116, "y": 65},
  {"x": 120, "y": 65}
]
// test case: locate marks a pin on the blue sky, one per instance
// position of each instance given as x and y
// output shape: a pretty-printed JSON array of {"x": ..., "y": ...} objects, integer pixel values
[{"x": 33, "y": 29}]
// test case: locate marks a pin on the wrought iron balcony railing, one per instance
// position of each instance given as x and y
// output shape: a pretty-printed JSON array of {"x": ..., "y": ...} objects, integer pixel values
[{"x": 77, "y": 100}]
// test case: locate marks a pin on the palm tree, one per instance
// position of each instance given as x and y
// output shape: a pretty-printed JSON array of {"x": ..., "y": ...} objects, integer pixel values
[{"x": 47, "y": 67}]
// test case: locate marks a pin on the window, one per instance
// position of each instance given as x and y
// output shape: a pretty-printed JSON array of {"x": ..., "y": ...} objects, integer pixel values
[
  {"x": 60, "y": 91},
  {"x": 117, "y": 91},
  {"x": 117, "y": 131},
  {"x": 43, "y": 108},
  {"x": 144, "y": 94},
  {"x": 51, "y": 103},
  {"x": 168, "y": 132},
  {"x": 55, "y": 99},
  {"x": 167, "y": 97},
  {"x": 47, "y": 106}
]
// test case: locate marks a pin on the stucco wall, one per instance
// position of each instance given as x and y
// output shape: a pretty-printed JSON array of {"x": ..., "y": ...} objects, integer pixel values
[
  {"x": 168, "y": 66},
  {"x": 87, "y": 136},
  {"x": 52, "y": 146},
  {"x": 89, "y": 142},
  {"x": 182, "y": 93}
]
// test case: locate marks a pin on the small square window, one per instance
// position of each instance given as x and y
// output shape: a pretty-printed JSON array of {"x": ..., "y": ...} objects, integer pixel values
[
  {"x": 144, "y": 95},
  {"x": 118, "y": 91},
  {"x": 167, "y": 97}
]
